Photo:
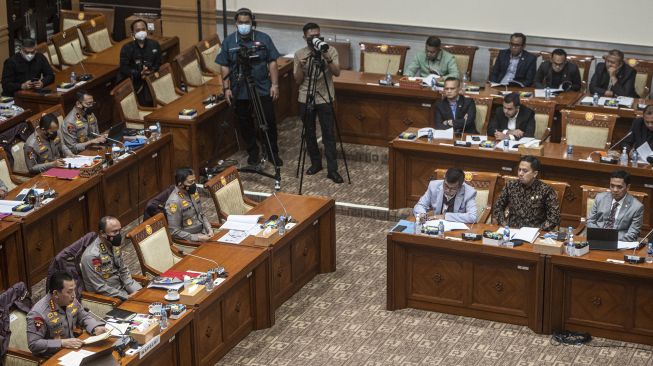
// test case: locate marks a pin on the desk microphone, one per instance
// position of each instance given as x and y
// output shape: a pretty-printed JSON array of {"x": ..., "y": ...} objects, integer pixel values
[
  {"x": 462, "y": 141},
  {"x": 636, "y": 259},
  {"x": 206, "y": 259},
  {"x": 285, "y": 213},
  {"x": 85, "y": 76},
  {"x": 608, "y": 159},
  {"x": 108, "y": 138},
  {"x": 49, "y": 193}
]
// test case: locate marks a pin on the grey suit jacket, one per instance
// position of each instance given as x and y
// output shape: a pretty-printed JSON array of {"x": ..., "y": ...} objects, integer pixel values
[
  {"x": 628, "y": 221},
  {"x": 464, "y": 209}
]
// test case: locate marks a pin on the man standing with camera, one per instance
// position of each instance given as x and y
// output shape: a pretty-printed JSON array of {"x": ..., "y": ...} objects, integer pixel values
[
  {"x": 325, "y": 61},
  {"x": 250, "y": 52},
  {"x": 139, "y": 59}
]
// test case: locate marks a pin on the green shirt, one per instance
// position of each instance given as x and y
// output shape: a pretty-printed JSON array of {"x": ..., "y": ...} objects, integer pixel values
[{"x": 445, "y": 65}]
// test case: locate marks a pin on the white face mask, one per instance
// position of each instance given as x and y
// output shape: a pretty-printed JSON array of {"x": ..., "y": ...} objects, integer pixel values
[
  {"x": 140, "y": 35},
  {"x": 29, "y": 56},
  {"x": 244, "y": 29}
]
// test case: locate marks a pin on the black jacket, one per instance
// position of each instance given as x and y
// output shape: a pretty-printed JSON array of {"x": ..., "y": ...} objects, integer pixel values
[
  {"x": 525, "y": 68},
  {"x": 640, "y": 134},
  {"x": 17, "y": 71},
  {"x": 133, "y": 58},
  {"x": 466, "y": 106},
  {"x": 18, "y": 296},
  {"x": 525, "y": 121},
  {"x": 568, "y": 77},
  {"x": 625, "y": 85}
]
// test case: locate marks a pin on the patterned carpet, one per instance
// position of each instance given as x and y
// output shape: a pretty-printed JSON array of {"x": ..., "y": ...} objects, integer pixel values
[{"x": 340, "y": 318}]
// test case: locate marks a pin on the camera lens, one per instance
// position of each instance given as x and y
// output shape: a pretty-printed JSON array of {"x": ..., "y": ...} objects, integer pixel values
[{"x": 319, "y": 45}]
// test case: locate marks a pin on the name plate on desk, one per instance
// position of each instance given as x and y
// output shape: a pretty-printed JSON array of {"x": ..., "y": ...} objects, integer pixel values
[{"x": 147, "y": 347}]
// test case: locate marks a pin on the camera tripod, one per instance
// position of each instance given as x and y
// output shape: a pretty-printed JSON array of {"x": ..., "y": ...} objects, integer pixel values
[
  {"x": 316, "y": 65},
  {"x": 245, "y": 73}
]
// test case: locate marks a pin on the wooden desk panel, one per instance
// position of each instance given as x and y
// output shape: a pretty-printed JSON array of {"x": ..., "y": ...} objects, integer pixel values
[
  {"x": 49, "y": 229},
  {"x": 13, "y": 121},
  {"x": 172, "y": 349},
  {"x": 618, "y": 306},
  {"x": 284, "y": 106},
  {"x": 12, "y": 266},
  {"x": 130, "y": 183},
  {"x": 203, "y": 140},
  {"x": 411, "y": 165},
  {"x": 224, "y": 316},
  {"x": 304, "y": 251},
  {"x": 99, "y": 87},
  {"x": 466, "y": 278}
]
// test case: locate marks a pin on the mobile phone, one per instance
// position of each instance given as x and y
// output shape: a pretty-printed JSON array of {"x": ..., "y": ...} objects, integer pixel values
[
  {"x": 399, "y": 228},
  {"x": 35, "y": 80}
]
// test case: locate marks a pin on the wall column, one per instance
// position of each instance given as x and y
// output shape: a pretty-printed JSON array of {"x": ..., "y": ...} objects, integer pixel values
[{"x": 180, "y": 19}]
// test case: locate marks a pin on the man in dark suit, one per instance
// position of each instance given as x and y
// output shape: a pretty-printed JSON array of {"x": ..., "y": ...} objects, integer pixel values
[
  {"x": 455, "y": 110},
  {"x": 515, "y": 63},
  {"x": 512, "y": 120},
  {"x": 27, "y": 69},
  {"x": 641, "y": 131},
  {"x": 558, "y": 73},
  {"x": 613, "y": 77}
]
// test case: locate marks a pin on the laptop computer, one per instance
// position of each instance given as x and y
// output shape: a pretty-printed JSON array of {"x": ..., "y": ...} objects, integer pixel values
[
  {"x": 100, "y": 358},
  {"x": 602, "y": 239}
]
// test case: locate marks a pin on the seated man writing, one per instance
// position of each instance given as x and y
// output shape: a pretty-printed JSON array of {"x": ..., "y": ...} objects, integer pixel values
[
  {"x": 184, "y": 211},
  {"x": 450, "y": 199}
]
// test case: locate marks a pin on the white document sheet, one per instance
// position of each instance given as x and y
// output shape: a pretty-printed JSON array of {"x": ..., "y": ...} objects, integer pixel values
[
  {"x": 437, "y": 134},
  {"x": 528, "y": 234},
  {"x": 541, "y": 93},
  {"x": 627, "y": 244},
  {"x": 74, "y": 358},
  {"x": 7, "y": 205},
  {"x": 644, "y": 151},
  {"x": 429, "y": 80},
  {"x": 448, "y": 225},
  {"x": 77, "y": 162},
  {"x": 240, "y": 222}
]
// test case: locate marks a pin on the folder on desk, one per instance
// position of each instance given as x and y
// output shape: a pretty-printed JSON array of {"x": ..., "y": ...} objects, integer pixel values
[
  {"x": 60, "y": 173},
  {"x": 188, "y": 113}
]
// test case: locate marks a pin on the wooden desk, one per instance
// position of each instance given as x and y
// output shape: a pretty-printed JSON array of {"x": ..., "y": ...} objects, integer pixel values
[
  {"x": 411, "y": 166},
  {"x": 373, "y": 114},
  {"x": 12, "y": 266},
  {"x": 50, "y": 228},
  {"x": 111, "y": 56},
  {"x": 304, "y": 251},
  {"x": 285, "y": 106},
  {"x": 129, "y": 184},
  {"x": 12, "y": 121},
  {"x": 172, "y": 350},
  {"x": 99, "y": 87},
  {"x": 466, "y": 278},
  {"x": 226, "y": 315},
  {"x": 588, "y": 294},
  {"x": 203, "y": 140}
]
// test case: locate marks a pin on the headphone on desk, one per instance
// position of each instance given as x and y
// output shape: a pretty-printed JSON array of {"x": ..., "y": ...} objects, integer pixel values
[{"x": 245, "y": 11}]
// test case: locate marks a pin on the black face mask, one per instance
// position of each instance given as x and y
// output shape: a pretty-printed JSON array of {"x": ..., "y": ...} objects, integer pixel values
[
  {"x": 191, "y": 189},
  {"x": 51, "y": 135},
  {"x": 115, "y": 240}
]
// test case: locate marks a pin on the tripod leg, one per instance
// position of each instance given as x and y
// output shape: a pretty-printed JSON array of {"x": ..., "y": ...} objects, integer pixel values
[{"x": 342, "y": 148}]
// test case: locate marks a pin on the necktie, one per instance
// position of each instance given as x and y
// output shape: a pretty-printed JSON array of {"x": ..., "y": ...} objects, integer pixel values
[{"x": 610, "y": 223}]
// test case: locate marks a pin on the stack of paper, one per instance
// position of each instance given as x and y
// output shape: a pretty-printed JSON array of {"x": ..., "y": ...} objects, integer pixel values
[
  {"x": 7, "y": 205},
  {"x": 448, "y": 225},
  {"x": 74, "y": 358},
  {"x": 437, "y": 134},
  {"x": 77, "y": 162},
  {"x": 241, "y": 222},
  {"x": 528, "y": 234}
]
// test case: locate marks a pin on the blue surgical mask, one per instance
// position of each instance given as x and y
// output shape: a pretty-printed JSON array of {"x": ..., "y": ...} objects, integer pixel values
[{"x": 244, "y": 29}]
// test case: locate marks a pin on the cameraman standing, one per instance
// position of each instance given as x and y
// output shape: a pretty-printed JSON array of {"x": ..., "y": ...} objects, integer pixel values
[
  {"x": 258, "y": 53},
  {"x": 323, "y": 107}
]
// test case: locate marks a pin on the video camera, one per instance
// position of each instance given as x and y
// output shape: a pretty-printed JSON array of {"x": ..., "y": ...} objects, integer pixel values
[
  {"x": 248, "y": 55},
  {"x": 318, "y": 44}
]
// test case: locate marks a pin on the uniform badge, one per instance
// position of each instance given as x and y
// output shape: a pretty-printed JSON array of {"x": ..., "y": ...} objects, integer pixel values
[
  {"x": 91, "y": 118},
  {"x": 223, "y": 180},
  {"x": 116, "y": 251},
  {"x": 189, "y": 222},
  {"x": 42, "y": 148},
  {"x": 589, "y": 116},
  {"x": 38, "y": 323},
  {"x": 71, "y": 129},
  {"x": 96, "y": 261},
  {"x": 30, "y": 155},
  {"x": 82, "y": 138},
  {"x": 468, "y": 176},
  {"x": 173, "y": 207},
  {"x": 148, "y": 229},
  {"x": 184, "y": 203},
  {"x": 196, "y": 196},
  {"x": 106, "y": 276},
  {"x": 79, "y": 123},
  {"x": 180, "y": 194}
]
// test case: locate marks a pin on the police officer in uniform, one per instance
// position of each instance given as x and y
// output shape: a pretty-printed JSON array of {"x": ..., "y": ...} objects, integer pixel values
[
  {"x": 183, "y": 209},
  {"x": 43, "y": 148},
  {"x": 80, "y": 124},
  {"x": 103, "y": 269},
  {"x": 51, "y": 321}
]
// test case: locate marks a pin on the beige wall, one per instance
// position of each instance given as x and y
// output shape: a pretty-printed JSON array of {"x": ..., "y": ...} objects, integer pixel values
[
  {"x": 603, "y": 21},
  {"x": 180, "y": 19}
]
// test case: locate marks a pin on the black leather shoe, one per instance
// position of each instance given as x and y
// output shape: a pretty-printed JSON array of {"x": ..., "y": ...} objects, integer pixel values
[
  {"x": 335, "y": 177},
  {"x": 313, "y": 169}
]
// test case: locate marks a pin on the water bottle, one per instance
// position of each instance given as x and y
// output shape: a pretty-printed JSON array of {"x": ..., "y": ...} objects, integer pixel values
[
  {"x": 73, "y": 77},
  {"x": 547, "y": 93},
  {"x": 635, "y": 160},
  {"x": 388, "y": 79},
  {"x": 281, "y": 225},
  {"x": 430, "y": 136},
  {"x": 570, "y": 150},
  {"x": 115, "y": 151},
  {"x": 623, "y": 159},
  {"x": 506, "y": 143},
  {"x": 465, "y": 80},
  {"x": 570, "y": 241},
  {"x": 441, "y": 229},
  {"x": 158, "y": 129},
  {"x": 506, "y": 236},
  {"x": 649, "y": 252},
  {"x": 595, "y": 99},
  {"x": 418, "y": 223},
  {"x": 433, "y": 85},
  {"x": 163, "y": 322},
  {"x": 209, "y": 281}
]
